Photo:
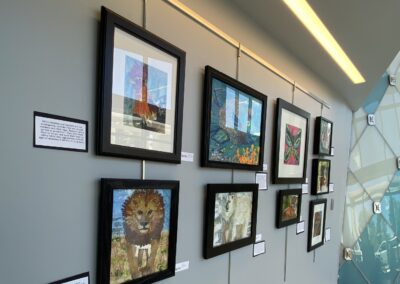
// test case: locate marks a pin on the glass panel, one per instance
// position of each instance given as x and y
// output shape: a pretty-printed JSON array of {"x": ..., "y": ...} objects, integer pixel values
[
  {"x": 359, "y": 125},
  {"x": 373, "y": 99},
  {"x": 378, "y": 252},
  {"x": 388, "y": 118},
  {"x": 397, "y": 281},
  {"x": 348, "y": 273},
  {"x": 398, "y": 80},
  {"x": 358, "y": 211},
  {"x": 390, "y": 204},
  {"x": 373, "y": 163}
]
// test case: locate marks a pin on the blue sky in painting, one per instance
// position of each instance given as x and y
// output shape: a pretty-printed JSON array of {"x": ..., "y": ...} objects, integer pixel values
[{"x": 119, "y": 197}]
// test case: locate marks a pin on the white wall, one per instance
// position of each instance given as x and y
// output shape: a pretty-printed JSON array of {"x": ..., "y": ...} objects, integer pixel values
[{"x": 49, "y": 199}]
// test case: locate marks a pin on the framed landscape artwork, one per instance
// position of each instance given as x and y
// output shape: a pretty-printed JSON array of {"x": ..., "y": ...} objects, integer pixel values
[
  {"x": 230, "y": 217},
  {"x": 291, "y": 143},
  {"x": 288, "y": 207},
  {"x": 316, "y": 226},
  {"x": 323, "y": 136},
  {"x": 321, "y": 172},
  {"x": 137, "y": 230},
  {"x": 233, "y": 123},
  {"x": 141, "y": 92}
]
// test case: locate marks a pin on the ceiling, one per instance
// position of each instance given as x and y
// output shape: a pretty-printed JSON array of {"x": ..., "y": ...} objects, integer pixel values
[{"x": 366, "y": 29}]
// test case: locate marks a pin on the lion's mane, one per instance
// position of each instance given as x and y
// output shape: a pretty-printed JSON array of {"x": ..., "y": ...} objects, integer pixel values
[{"x": 143, "y": 200}]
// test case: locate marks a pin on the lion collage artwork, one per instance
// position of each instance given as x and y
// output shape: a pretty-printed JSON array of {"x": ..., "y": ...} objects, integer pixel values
[{"x": 140, "y": 234}]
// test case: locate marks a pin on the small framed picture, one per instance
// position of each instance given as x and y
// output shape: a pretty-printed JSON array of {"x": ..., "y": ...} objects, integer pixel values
[
  {"x": 230, "y": 217},
  {"x": 137, "y": 230},
  {"x": 82, "y": 278},
  {"x": 321, "y": 173},
  {"x": 316, "y": 226},
  {"x": 323, "y": 136},
  {"x": 234, "y": 118},
  {"x": 140, "y": 103},
  {"x": 288, "y": 207},
  {"x": 291, "y": 143}
]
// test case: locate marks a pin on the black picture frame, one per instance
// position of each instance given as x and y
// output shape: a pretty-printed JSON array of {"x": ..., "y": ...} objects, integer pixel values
[
  {"x": 317, "y": 178},
  {"x": 277, "y": 178},
  {"x": 110, "y": 22},
  {"x": 72, "y": 278},
  {"x": 206, "y": 161},
  {"x": 280, "y": 222},
  {"x": 313, "y": 204},
  {"x": 318, "y": 149},
  {"x": 209, "y": 250},
  {"x": 144, "y": 190},
  {"x": 61, "y": 118}
]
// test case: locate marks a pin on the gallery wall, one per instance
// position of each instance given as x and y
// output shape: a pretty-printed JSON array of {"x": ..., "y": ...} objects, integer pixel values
[{"x": 49, "y": 198}]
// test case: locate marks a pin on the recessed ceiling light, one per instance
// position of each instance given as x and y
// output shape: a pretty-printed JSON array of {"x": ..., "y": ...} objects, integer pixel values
[{"x": 316, "y": 27}]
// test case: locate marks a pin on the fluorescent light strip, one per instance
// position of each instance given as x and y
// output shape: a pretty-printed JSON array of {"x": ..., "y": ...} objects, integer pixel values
[
  {"x": 214, "y": 29},
  {"x": 316, "y": 27}
]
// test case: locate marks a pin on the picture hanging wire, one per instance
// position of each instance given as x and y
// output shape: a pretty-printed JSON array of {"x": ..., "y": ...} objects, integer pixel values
[
  {"x": 143, "y": 169},
  {"x": 229, "y": 267},
  {"x": 293, "y": 90},
  {"x": 239, "y": 51},
  {"x": 144, "y": 26},
  {"x": 286, "y": 251},
  {"x": 145, "y": 14},
  {"x": 230, "y": 40}
]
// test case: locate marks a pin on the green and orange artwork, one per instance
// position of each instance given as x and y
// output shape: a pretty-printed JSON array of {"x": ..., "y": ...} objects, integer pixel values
[{"x": 235, "y": 126}]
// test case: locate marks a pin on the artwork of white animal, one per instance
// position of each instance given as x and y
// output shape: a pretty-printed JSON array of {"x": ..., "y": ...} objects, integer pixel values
[{"x": 236, "y": 209}]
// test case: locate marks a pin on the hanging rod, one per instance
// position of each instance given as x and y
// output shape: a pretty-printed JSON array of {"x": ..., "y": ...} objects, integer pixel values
[{"x": 235, "y": 43}]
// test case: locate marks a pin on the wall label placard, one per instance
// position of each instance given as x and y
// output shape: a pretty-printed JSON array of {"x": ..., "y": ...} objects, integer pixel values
[
  {"x": 187, "y": 157},
  {"x": 262, "y": 180},
  {"x": 59, "y": 132},
  {"x": 304, "y": 188},
  {"x": 259, "y": 248},
  {"x": 327, "y": 234},
  {"x": 300, "y": 227},
  {"x": 77, "y": 279},
  {"x": 181, "y": 266}
]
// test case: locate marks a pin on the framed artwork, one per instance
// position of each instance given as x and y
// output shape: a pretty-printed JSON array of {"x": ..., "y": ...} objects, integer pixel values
[
  {"x": 233, "y": 123},
  {"x": 321, "y": 172},
  {"x": 140, "y": 103},
  {"x": 288, "y": 207},
  {"x": 230, "y": 217},
  {"x": 137, "y": 230},
  {"x": 291, "y": 143},
  {"x": 316, "y": 226},
  {"x": 82, "y": 278},
  {"x": 323, "y": 136}
]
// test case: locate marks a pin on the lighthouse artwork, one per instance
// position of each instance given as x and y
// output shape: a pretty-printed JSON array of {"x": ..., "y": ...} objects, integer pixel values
[{"x": 145, "y": 97}]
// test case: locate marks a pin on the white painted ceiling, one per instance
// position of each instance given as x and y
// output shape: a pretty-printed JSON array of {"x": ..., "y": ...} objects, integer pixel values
[{"x": 366, "y": 29}]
